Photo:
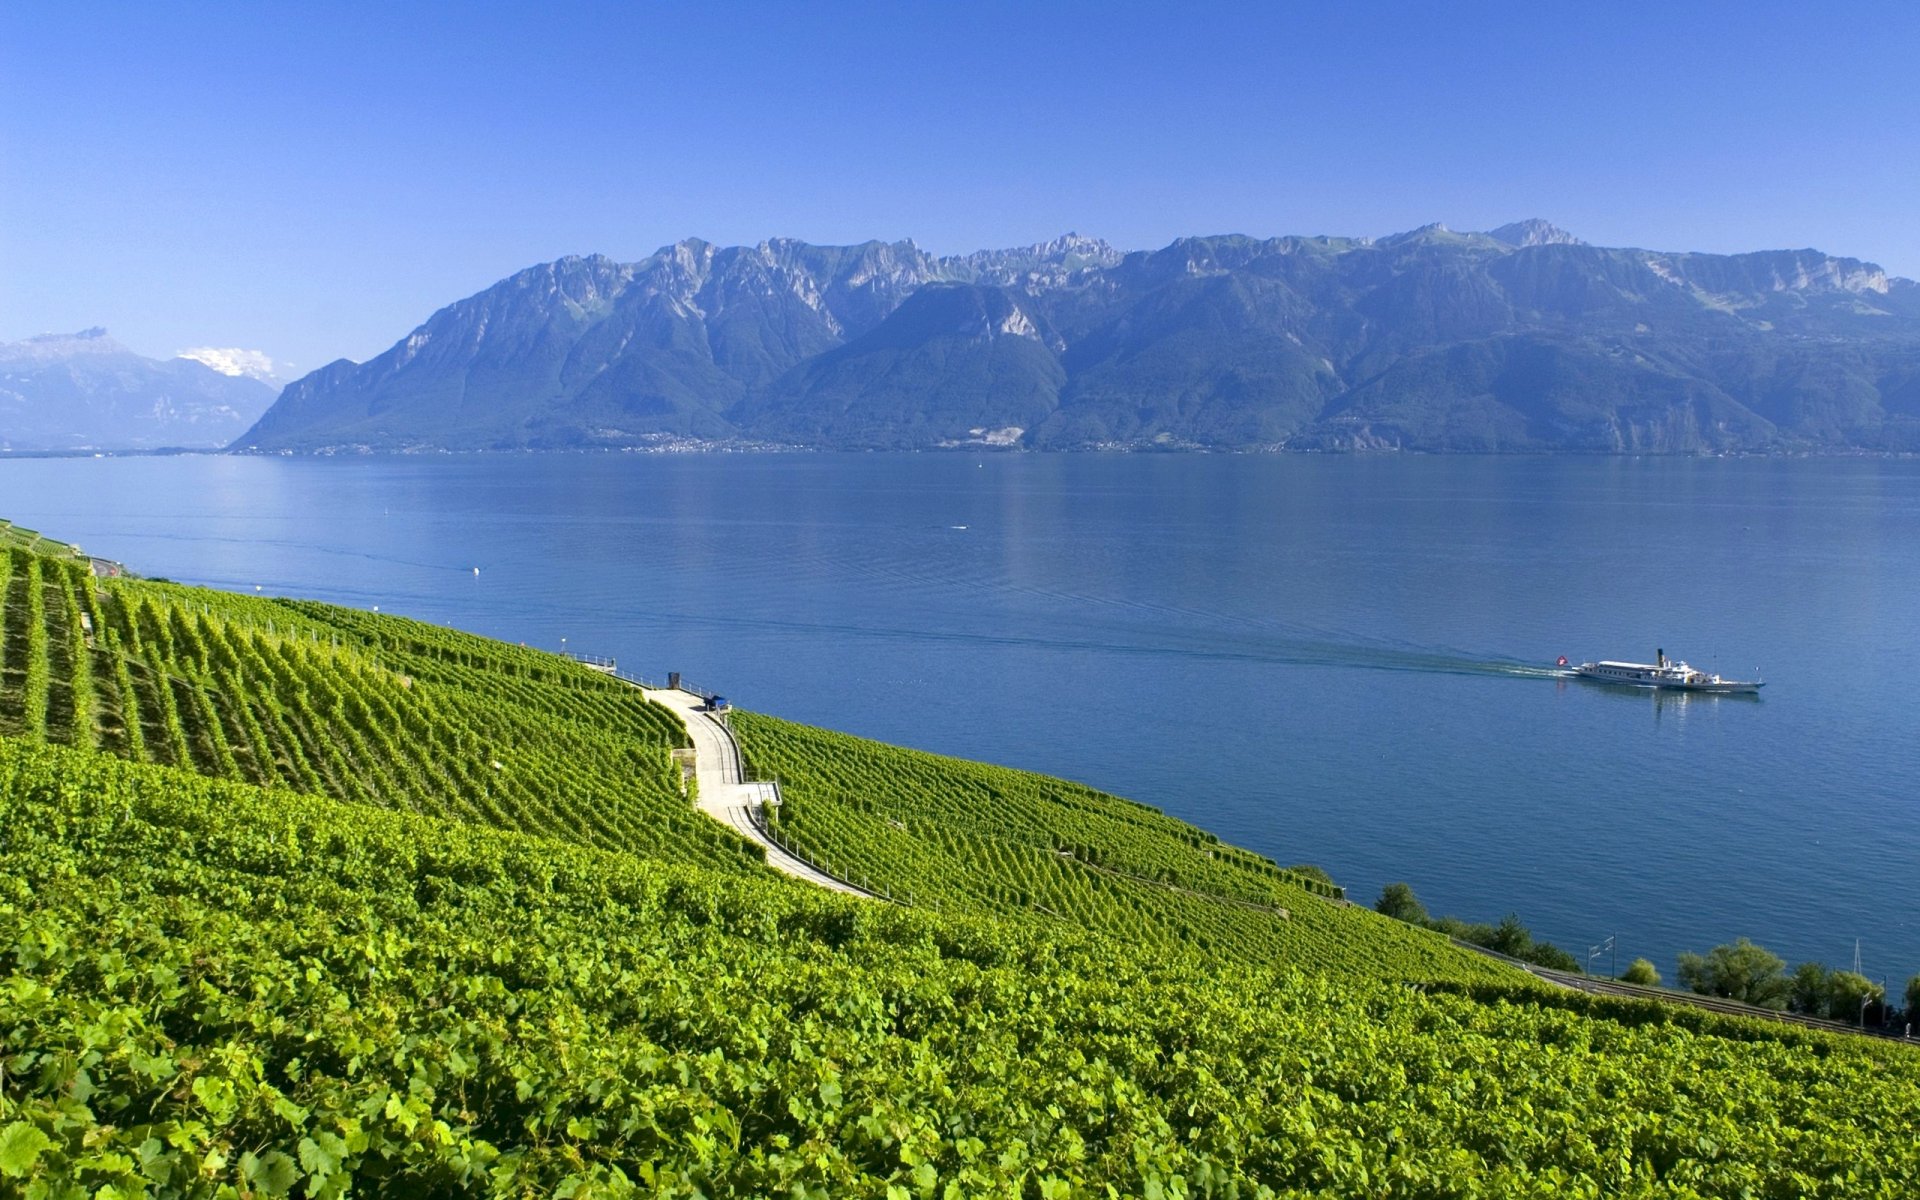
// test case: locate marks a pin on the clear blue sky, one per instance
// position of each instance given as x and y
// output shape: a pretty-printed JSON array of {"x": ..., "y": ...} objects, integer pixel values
[{"x": 313, "y": 180}]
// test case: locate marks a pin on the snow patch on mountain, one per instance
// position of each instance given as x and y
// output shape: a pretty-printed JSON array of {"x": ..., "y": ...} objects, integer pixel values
[{"x": 232, "y": 360}]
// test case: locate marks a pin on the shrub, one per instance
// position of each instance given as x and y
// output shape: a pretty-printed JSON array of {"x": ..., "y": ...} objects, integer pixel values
[
  {"x": 1398, "y": 901},
  {"x": 1642, "y": 972}
]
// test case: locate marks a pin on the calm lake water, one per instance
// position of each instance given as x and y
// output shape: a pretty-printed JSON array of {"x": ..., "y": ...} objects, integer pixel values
[{"x": 1328, "y": 659}]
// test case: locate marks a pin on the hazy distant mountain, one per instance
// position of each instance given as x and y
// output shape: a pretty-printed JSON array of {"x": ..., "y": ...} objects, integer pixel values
[
  {"x": 1524, "y": 338},
  {"x": 85, "y": 391}
]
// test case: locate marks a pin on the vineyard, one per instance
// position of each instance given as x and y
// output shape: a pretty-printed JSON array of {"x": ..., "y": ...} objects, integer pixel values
[
  {"x": 32, "y": 541},
  {"x": 372, "y": 709},
  {"x": 965, "y": 837},
  {"x": 390, "y": 712},
  {"x": 217, "y": 989},
  {"x": 302, "y": 901}
]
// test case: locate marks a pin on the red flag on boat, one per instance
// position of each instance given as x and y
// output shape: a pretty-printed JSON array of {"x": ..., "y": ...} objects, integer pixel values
[{"x": 1563, "y": 660}]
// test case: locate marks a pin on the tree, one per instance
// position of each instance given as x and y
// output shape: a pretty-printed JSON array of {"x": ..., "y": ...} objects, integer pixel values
[
  {"x": 1849, "y": 996},
  {"x": 1511, "y": 938},
  {"x": 1742, "y": 971},
  {"x": 1642, "y": 972},
  {"x": 1810, "y": 990},
  {"x": 1549, "y": 955},
  {"x": 1913, "y": 1000},
  {"x": 1466, "y": 931},
  {"x": 1398, "y": 901}
]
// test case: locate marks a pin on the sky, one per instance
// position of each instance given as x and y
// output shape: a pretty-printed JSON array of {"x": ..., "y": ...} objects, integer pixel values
[{"x": 312, "y": 181}]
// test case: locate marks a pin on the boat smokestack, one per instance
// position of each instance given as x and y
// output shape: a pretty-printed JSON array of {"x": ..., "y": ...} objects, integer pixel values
[{"x": 1660, "y": 657}]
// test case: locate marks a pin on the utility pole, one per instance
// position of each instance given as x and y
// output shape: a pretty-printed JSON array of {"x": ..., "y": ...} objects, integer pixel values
[
  {"x": 1594, "y": 952},
  {"x": 1865, "y": 997}
]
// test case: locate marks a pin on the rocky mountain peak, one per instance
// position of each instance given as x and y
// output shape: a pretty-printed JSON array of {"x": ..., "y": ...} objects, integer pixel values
[
  {"x": 1740, "y": 280},
  {"x": 1431, "y": 338},
  {"x": 1076, "y": 250},
  {"x": 1533, "y": 232},
  {"x": 1042, "y": 264},
  {"x": 49, "y": 346},
  {"x": 1810, "y": 270}
]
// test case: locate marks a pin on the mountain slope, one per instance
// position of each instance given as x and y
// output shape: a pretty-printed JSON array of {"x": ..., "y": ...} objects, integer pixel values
[
  {"x": 85, "y": 391},
  {"x": 587, "y": 351},
  {"x": 1521, "y": 339},
  {"x": 954, "y": 362}
]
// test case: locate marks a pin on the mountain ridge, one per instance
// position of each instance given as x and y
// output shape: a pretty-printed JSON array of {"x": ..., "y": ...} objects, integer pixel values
[
  {"x": 1523, "y": 338},
  {"x": 85, "y": 391}
]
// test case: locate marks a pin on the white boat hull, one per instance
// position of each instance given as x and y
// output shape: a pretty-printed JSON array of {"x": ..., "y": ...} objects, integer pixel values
[
  {"x": 1726, "y": 687},
  {"x": 1665, "y": 675}
]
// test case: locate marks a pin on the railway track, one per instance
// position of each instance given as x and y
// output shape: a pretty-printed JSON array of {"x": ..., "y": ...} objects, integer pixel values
[{"x": 1600, "y": 986}]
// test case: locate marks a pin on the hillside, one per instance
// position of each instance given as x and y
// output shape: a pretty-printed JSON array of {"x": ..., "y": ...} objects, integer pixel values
[
  {"x": 1521, "y": 339},
  {"x": 387, "y": 712},
  {"x": 86, "y": 391},
  {"x": 378, "y": 711},
  {"x": 388, "y": 905},
  {"x": 965, "y": 837},
  {"x": 210, "y": 984}
]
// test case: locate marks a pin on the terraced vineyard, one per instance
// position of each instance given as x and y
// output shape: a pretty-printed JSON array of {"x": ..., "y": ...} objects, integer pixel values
[
  {"x": 382, "y": 908},
  {"x": 214, "y": 989},
  {"x": 394, "y": 713},
  {"x": 32, "y": 541},
  {"x": 360, "y": 707},
  {"x": 965, "y": 837}
]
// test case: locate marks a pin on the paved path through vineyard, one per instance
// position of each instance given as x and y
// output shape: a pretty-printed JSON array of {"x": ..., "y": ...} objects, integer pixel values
[{"x": 724, "y": 795}]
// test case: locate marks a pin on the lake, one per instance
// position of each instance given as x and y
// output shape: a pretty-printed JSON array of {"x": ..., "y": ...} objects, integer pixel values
[{"x": 1337, "y": 660}]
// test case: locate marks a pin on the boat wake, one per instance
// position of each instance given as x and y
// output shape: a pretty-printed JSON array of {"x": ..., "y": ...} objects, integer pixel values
[{"x": 1426, "y": 661}]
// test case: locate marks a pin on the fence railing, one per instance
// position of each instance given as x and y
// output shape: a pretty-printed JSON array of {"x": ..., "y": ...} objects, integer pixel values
[
  {"x": 757, "y": 810},
  {"x": 757, "y": 813}
]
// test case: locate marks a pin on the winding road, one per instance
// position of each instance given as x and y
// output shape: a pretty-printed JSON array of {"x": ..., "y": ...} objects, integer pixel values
[{"x": 725, "y": 795}]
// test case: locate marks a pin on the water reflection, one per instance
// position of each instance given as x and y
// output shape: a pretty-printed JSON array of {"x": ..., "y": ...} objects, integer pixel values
[{"x": 1660, "y": 701}]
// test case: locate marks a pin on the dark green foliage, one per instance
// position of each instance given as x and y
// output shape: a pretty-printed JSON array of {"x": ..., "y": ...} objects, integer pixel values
[
  {"x": 1546, "y": 954},
  {"x": 1398, "y": 901},
  {"x": 1810, "y": 989},
  {"x": 1741, "y": 971},
  {"x": 1510, "y": 937}
]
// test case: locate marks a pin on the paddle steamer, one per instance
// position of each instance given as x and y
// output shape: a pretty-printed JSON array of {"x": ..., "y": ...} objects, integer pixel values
[{"x": 1663, "y": 673}]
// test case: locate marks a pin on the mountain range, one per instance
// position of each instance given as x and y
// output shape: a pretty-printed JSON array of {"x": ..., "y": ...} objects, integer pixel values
[
  {"x": 1522, "y": 338},
  {"x": 85, "y": 391}
]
